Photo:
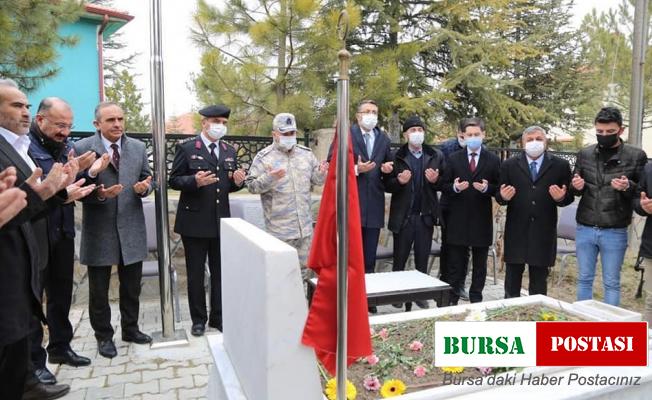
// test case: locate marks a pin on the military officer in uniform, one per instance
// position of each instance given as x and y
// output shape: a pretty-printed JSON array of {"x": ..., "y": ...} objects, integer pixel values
[
  {"x": 205, "y": 170},
  {"x": 283, "y": 173}
]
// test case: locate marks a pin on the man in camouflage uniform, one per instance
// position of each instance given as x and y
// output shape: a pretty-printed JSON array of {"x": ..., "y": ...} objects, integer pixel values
[{"x": 283, "y": 174}]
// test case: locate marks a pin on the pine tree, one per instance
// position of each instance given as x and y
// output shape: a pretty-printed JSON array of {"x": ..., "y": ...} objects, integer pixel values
[
  {"x": 607, "y": 50},
  {"x": 254, "y": 61},
  {"x": 124, "y": 92},
  {"x": 28, "y": 38}
]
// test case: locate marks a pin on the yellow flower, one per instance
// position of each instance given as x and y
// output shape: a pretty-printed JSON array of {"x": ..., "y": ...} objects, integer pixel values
[
  {"x": 331, "y": 390},
  {"x": 452, "y": 370},
  {"x": 392, "y": 388},
  {"x": 548, "y": 316}
]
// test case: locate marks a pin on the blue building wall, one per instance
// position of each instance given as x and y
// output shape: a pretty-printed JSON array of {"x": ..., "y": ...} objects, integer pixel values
[{"x": 77, "y": 81}]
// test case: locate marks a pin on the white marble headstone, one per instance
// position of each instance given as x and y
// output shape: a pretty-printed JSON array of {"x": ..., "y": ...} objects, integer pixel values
[{"x": 264, "y": 310}]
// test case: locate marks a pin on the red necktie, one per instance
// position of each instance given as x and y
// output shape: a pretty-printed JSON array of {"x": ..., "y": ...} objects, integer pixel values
[
  {"x": 115, "y": 158},
  {"x": 472, "y": 163}
]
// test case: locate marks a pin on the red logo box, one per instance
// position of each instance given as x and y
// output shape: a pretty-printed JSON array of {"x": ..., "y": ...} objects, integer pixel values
[{"x": 584, "y": 344}]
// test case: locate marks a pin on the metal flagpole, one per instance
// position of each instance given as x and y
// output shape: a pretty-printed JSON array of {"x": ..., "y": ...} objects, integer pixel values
[
  {"x": 342, "y": 205},
  {"x": 168, "y": 336},
  {"x": 638, "y": 63}
]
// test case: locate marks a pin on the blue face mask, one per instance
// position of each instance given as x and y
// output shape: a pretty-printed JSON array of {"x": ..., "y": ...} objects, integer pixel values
[{"x": 474, "y": 142}]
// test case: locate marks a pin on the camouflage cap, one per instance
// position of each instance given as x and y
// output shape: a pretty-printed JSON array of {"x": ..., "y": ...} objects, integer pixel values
[{"x": 284, "y": 122}]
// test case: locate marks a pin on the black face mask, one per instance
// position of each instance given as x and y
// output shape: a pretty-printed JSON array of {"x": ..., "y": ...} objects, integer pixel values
[{"x": 607, "y": 141}]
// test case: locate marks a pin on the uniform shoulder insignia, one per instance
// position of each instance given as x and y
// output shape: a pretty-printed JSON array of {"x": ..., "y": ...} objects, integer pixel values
[
  {"x": 226, "y": 145},
  {"x": 188, "y": 139},
  {"x": 264, "y": 151}
]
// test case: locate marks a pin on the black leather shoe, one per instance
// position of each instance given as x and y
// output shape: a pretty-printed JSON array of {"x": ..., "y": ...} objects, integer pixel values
[
  {"x": 45, "y": 392},
  {"x": 397, "y": 305},
  {"x": 68, "y": 357},
  {"x": 197, "y": 329},
  {"x": 137, "y": 337},
  {"x": 422, "y": 304},
  {"x": 463, "y": 294},
  {"x": 373, "y": 309},
  {"x": 106, "y": 348},
  {"x": 45, "y": 376}
]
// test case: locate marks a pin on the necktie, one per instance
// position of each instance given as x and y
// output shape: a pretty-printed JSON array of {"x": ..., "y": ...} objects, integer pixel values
[
  {"x": 213, "y": 155},
  {"x": 115, "y": 158},
  {"x": 367, "y": 142},
  {"x": 533, "y": 170},
  {"x": 472, "y": 163}
]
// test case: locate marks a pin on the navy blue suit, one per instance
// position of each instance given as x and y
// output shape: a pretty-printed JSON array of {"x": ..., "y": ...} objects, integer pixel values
[{"x": 371, "y": 190}]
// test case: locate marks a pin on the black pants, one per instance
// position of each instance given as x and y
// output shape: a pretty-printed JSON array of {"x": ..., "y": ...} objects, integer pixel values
[
  {"x": 369, "y": 245},
  {"x": 14, "y": 360},
  {"x": 514, "y": 275},
  {"x": 444, "y": 263},
  {"x": 196, "y": 251},
  {"x": 57, "y": 281},
  {"x": 414, "y": 232},
  {"x": 458, "y": 265},
  {"x": 99, "y": 278}
]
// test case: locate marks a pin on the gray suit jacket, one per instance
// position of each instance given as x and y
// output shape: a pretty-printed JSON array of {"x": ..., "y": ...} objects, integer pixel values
[{"x": 113, "y": 230}]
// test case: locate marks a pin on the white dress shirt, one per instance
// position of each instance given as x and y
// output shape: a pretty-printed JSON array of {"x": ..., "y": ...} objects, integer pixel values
[
  {"x": 207, "y": 143},
  {"x": 20, "y": 143}
]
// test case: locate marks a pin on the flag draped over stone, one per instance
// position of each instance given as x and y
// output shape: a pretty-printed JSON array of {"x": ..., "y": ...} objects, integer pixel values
[{"x": 320, "y": 331}]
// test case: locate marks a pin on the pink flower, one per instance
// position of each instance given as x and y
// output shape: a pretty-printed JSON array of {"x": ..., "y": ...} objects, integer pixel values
[
  {"x": 372, "y": 359},
  {"x": 384, "y": 333},
  {"x": 416, "y": 345},
  {"x": 371, "y": 331},
  {"x": 371, "y": 383},
  {"x": 485, "y": 370},
  {"x": 420, "y": 371}
]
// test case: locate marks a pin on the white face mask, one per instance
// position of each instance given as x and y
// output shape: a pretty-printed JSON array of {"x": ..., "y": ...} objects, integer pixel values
[
  {"x": 416, "y": 138},
  {"x": 535, "y": 148},
  {"x": 369, "y": 121},
  {"x": 287, "y": 142},
  {"x": 216, "y": 131}
]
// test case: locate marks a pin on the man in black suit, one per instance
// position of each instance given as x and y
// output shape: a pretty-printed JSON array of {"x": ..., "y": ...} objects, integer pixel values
[
  {"x": 532, "y": 186},
  {"x": 23, "y": 243},
  {"x": 470, "y": 183},
  {"x": 414, "y": 210},
  {"x": 205, "y": 170}
]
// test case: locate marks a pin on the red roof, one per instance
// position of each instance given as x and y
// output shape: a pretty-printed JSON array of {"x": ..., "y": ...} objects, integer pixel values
[{"x": 110, "y": 12}]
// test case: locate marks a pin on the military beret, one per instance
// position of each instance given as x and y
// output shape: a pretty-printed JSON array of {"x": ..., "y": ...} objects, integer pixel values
[
  {"x": 217, "y": 110},
  {"x": 413, "y": 121}
]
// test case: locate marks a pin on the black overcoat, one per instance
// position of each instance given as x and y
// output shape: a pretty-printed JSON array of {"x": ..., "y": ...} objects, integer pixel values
[
  {"x": 470, "y": 218},
  {"x": 531, "y": 224}
]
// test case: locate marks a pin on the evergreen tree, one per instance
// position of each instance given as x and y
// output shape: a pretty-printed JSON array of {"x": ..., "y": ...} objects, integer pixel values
[
  {"x": 607, "y": 43},
  {"x": 254, "y": 61},
  {"x": 29, "y": 38},
  {"x": 124, "y": 92}
]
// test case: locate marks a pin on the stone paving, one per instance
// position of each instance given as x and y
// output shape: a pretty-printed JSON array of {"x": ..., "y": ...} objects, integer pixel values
[{"x": 140, "y": 373}]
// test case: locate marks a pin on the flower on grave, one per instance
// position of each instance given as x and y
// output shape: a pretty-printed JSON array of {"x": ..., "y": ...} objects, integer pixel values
[
  {"x": 452, "y": 370},
  {"x": 372, "y": 359},
  {"x": 416, "y": 345},
  {"x": 476, "y": 315},
  {"x": 548, "y": 316},
  {"x": 392, "y": 388},
  {"x": 331, "y": 390},
  {"x": 420, "y": 371},
  {"x": 384, "y": 333},
  {"x": 485, "y": 370},
  {"x": 371, "y": 383}
]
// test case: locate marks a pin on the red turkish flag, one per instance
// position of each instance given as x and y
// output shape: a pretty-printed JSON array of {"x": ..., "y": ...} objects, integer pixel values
[{"x": 320, "y": 331}]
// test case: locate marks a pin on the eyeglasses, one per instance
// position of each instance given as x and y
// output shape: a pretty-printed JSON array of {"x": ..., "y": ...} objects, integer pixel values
[{"x": 60, "y": 125}]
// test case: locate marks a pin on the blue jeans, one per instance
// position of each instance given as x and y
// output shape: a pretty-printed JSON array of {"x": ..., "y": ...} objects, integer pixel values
[{"x": 611, "y": 243}]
